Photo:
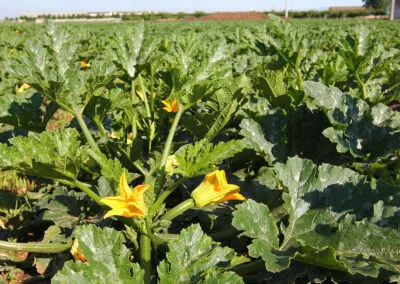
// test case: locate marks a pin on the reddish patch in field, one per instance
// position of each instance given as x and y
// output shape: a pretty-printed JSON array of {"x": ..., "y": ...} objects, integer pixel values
[{"x": 234, "y": 16}]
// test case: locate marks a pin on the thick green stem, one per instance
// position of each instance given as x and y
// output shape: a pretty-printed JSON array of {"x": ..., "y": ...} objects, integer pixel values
[
  {"x": 160, "y": 178},
  {"x": 149, "y": 231},
  {"x": 165, "y": 194},
  {"x": 363, "y": 88},
  {"x": 134, "y": 126},
  {"x": 88, "y": 191},
  {"x": 86, "y": 133},
  {"x": 139, "y": 168},
  {"x": 101, "y": 128},
  {"x": 66, "y": 174},
  {"x": 170, "y": 138},
  {"x": 84, "y": 188},
  {"x": 145, "y": 256},
  {"x": 164, "y": 238},
  {"x": 146, "y": 102},
  {"x": 178, "y": 209},
  {"x": 36, "y": 247},
  {"x": 299, "y": 79},
  {"x": 62, "y": 105}
]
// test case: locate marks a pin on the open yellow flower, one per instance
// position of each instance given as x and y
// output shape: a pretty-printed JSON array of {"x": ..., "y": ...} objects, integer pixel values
[
  {"x": 25, "y": 86},
  {"x": 85, "y": 64},
  {"x": 130, "y": 203},
  {"x": 215, "y": 189},
  {"x": 170, "y": 107}
]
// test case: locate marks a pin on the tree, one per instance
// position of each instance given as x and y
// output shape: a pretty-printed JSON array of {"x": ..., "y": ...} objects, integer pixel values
[{"x": 376, "y": 4}]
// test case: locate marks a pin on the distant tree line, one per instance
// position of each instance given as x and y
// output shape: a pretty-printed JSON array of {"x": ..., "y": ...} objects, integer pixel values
[
  {"x": 332, "y": 14},
  {"x": 379, "y": 11}
]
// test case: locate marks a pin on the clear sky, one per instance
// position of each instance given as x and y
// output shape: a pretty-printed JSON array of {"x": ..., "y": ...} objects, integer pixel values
[{"x": 13, "y": 8}]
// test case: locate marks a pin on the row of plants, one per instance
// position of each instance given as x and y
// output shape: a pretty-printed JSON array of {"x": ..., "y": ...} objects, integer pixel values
[{"x": 201, "y": 153}]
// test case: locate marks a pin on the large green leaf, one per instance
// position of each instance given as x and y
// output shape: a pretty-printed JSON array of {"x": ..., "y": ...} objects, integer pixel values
[
  {"x": 370, "y": 65},
  {"x": 194, "y": 255},
  {"x": 126, "y": 48},
  {"x": 57, "y": 154},
  {"x": 261, "y": 227},
  {"x": 111, "y": 169},
  {"x": 306, "y": 208},
  {"x": 202, "y": 157},
  {"x": 356, "y": 127},
  {"x": 361, "y": 245},
  {"x": 210, "y": 117},
  {"x": 108, "y": 259},
  {"x": 64, "y": 208},
  {"x": 322, "y": 204},
  {"x": 51, "y": 66},
  {"x": 254, "y": 139},
  {"x": 221, "y": 278}
]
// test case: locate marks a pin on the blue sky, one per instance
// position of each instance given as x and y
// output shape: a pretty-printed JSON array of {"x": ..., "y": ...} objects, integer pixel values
[{"x": 13, "y": 8}]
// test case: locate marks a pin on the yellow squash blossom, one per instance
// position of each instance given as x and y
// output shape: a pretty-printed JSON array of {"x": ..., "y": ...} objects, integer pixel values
[
  {"x": 12, "y": 50},
  {"x": 75, "y": 253},
  {"x": 85, "y": 64},
  {"x": 215, "y": 189},
  {"x": 25, "y": 86},
  {"x": 130, "y": 203},
  {"x": 17, "y": 31},
  {"x": 170, "y": 107},
  {"x": 22, "y": 88}
]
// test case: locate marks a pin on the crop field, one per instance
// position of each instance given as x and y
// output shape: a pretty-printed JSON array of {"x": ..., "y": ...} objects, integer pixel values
[{"x": 200, "y": 152}]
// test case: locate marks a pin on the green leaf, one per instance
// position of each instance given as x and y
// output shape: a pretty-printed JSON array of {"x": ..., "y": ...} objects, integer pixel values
[
  {"x": 62, "y": 207},
  {"x": 54, "y": 155},
  {"x": 51, "y": 234},
  {"x": 108, "y": 260},
  {"x": 221, "y": 278},
  {"x": 317, "y": 197},
  {"x": 303, "y": 181},
  {"x": 356, "y": 127},
  {"x": 257, "y": 223},
  {"x": 361, "y": 245},
  {"x": 126, "y": 49},
  {"x": 111, "y": 170},
  {"x": 192, "y": 256},
  {"x": 202, "y": 157},
  {"x": 99, "y": 106},
  {"x": 254, "y": 139},
  {"x": 213, "y": 115}
]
